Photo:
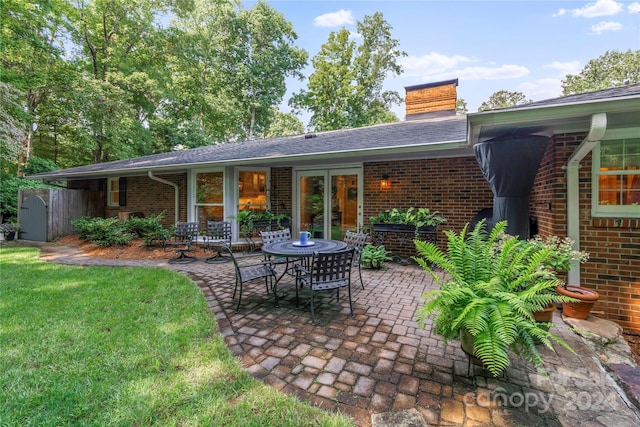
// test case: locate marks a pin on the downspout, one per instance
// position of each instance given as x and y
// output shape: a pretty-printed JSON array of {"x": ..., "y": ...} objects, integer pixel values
[
  {"x": 175, "y": 192},
  {"x": 596, "y": 132}
]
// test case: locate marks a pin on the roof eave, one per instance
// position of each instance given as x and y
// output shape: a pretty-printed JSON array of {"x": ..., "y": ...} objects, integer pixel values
[
  {"x": 524, "y": 115},
  {"x": 386, "y": 153}
]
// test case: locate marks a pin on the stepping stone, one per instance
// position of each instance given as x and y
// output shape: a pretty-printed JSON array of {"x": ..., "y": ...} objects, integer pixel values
[{"x": 408, "y": 418}]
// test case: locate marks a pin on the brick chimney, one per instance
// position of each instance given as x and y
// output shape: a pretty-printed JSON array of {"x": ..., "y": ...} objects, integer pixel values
[{"x": 431, "y": 100}]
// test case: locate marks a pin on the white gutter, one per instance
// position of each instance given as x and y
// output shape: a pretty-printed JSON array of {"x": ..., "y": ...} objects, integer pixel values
[
  {"x": 175, "y": 192},
  {"x": 596, "y": 132}
]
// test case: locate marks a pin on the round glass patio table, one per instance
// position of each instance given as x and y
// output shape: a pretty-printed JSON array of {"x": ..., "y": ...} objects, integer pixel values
[{"x": 292, "y": 248}]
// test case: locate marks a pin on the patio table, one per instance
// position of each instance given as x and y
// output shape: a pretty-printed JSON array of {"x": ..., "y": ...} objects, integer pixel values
[{"x": 293, "y": 249}]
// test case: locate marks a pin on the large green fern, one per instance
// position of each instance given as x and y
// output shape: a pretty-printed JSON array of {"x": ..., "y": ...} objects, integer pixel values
[{"x": 492, "y": 284}]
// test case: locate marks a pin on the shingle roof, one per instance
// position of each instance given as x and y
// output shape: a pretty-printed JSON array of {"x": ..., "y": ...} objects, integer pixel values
[
  {"x": 348, "y": 141},
  {"x": 598, "y": 95}
]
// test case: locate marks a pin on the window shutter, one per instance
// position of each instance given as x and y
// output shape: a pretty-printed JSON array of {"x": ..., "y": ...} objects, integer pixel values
[{"x": 122, "y": 189}]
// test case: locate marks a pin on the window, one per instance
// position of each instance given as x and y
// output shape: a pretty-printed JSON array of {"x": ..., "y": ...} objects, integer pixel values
[
  {"x": 616, "y": 172},
  {"x": 113, "y": 192},
  {"x": 210, "y": 196},
  {"x": 252, "y": 190}
]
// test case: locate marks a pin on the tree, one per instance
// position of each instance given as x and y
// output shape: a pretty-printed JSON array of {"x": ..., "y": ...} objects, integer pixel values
[
  {"x": 229, "y": 69},
  {"x": 612, "y": 69},
  {"x": 503, "y": 99},
  {"x": 30, "y": 57},
  {"x": 283, "y": 124},
  {"x": 345, "y": 89},
  {"x": 461, "y": 107},
  {"x": 263, "y": 56}
]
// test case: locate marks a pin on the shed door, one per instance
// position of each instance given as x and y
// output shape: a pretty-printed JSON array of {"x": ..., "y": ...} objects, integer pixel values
[{"x": 33, "y": 221}]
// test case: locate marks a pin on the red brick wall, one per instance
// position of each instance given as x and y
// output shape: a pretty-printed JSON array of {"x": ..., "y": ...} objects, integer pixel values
[
  {"x": 281, "y": 196},
  {"x": 453, "y": 187},
  {"x": 152, "y": 198},
  {"x": 613, "y": 268}
]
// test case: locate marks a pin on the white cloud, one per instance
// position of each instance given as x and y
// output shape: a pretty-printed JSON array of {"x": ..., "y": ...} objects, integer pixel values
[
  {"x": 599, "y": 8},
  {"x": 354, "y": 36},
  {"x": 560, "y": 12},
  {"x": 603, "y": 26},
  {"x": 564, "y": 68},
  {"x": 634, "y": 7},
  {"x": 436, "y": 66},
  {"x": 432, "y": 63},
  {"x": 506, "y": 71},
  {"x": 540, "y": 89},
  {"x": 334, "y": 19}
]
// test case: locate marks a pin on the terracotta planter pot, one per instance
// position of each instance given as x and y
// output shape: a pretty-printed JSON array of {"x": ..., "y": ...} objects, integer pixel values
[
  {"x": 582, "y": 308},
  {"x": 545, "y": 315}
]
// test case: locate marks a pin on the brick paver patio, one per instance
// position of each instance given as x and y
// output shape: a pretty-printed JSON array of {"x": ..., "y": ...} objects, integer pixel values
[{"x": 380, "y": 361}]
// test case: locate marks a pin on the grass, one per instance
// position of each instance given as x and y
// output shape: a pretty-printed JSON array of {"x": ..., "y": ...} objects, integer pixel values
[{"x": 123, "y": 346}]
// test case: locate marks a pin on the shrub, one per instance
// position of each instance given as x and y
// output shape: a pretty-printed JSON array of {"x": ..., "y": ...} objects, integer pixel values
[
  {"x": 103, "y": 231},
  {"x": 146, "y": 228}
]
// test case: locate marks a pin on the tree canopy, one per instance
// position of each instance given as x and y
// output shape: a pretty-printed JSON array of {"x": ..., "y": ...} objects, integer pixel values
[
  {"x": 93, "y": 81},
  {"x": 503, "y": 99},
  {"x": 345, "y": 89},
  {"x": 612, "y": 69}
]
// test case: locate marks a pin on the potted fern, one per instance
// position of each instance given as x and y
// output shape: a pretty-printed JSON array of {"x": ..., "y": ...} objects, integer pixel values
[{"x": 491, "y": 286}]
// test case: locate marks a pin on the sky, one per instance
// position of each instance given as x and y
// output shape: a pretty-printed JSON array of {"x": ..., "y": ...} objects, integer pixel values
[{"x": 518, "y": 46}]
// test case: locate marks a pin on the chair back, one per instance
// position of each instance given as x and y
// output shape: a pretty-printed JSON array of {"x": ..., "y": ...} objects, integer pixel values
[
  {"x": 186, "y": 230},
  {"x": 356, "y": 240},
  {"x": 332, "y": 267},
  {"x": 219, "y": 230},
  {"x": 275, "y": 236}
]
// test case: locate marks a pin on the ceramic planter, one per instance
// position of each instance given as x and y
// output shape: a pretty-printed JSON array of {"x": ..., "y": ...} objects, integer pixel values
[{"x": 582, "y": 308}]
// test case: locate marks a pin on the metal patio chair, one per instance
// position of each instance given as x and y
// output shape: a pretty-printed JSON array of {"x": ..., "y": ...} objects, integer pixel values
[
  {"x": 278, "y": 236},
  {"x": 327, "y": 271},
  {"x": 217, "y": 236},
  {"x": 357, "y": 241},
  {"x": 184, "y": 234},
  {"x": 250, "y": 272}
]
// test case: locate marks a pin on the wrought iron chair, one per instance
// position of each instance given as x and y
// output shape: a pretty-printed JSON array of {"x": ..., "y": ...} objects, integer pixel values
[
  {"x": 327, "y": 271},
  {"x": 249, "y": 272},
  {"x": 218, "y": 236},
  {"x": 278, "y": 236},
  {"x": 357, "y": 241},
  {"x": 183, "y": 235}
]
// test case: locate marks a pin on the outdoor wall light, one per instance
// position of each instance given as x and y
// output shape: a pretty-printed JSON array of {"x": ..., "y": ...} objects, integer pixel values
[{"x": 385, "y": 182}]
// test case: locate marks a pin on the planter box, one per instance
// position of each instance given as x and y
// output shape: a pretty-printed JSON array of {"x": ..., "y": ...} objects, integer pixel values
[{"x": 403, "y": 228}]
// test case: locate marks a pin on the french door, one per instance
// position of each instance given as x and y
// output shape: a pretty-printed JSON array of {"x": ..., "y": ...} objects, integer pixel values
[{"x": 329, "y": 201}]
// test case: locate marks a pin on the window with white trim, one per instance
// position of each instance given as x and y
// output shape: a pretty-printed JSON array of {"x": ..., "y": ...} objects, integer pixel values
[
  {"x": 113, "y": 192},
  {"x": 616, "y": 175},
  {"x": 252, "y": 190},
  {"x": 209, "y": 196}
]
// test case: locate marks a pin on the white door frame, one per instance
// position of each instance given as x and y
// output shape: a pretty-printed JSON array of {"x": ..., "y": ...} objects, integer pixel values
[{"x": 327, "y": 172}]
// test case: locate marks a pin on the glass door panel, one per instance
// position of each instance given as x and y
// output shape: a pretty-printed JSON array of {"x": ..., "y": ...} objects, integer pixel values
[
  {"x": 329, "y": 202},
  {"x": 312, "y": 189},
  {"x": 344, "y": 205}
]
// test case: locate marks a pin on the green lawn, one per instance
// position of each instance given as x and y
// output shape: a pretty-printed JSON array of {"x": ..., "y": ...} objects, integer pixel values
[{"x": 122, "y": 346}]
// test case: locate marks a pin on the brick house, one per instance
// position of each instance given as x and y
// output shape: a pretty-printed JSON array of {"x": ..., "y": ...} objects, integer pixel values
[{"x": 587, "y": 185}]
